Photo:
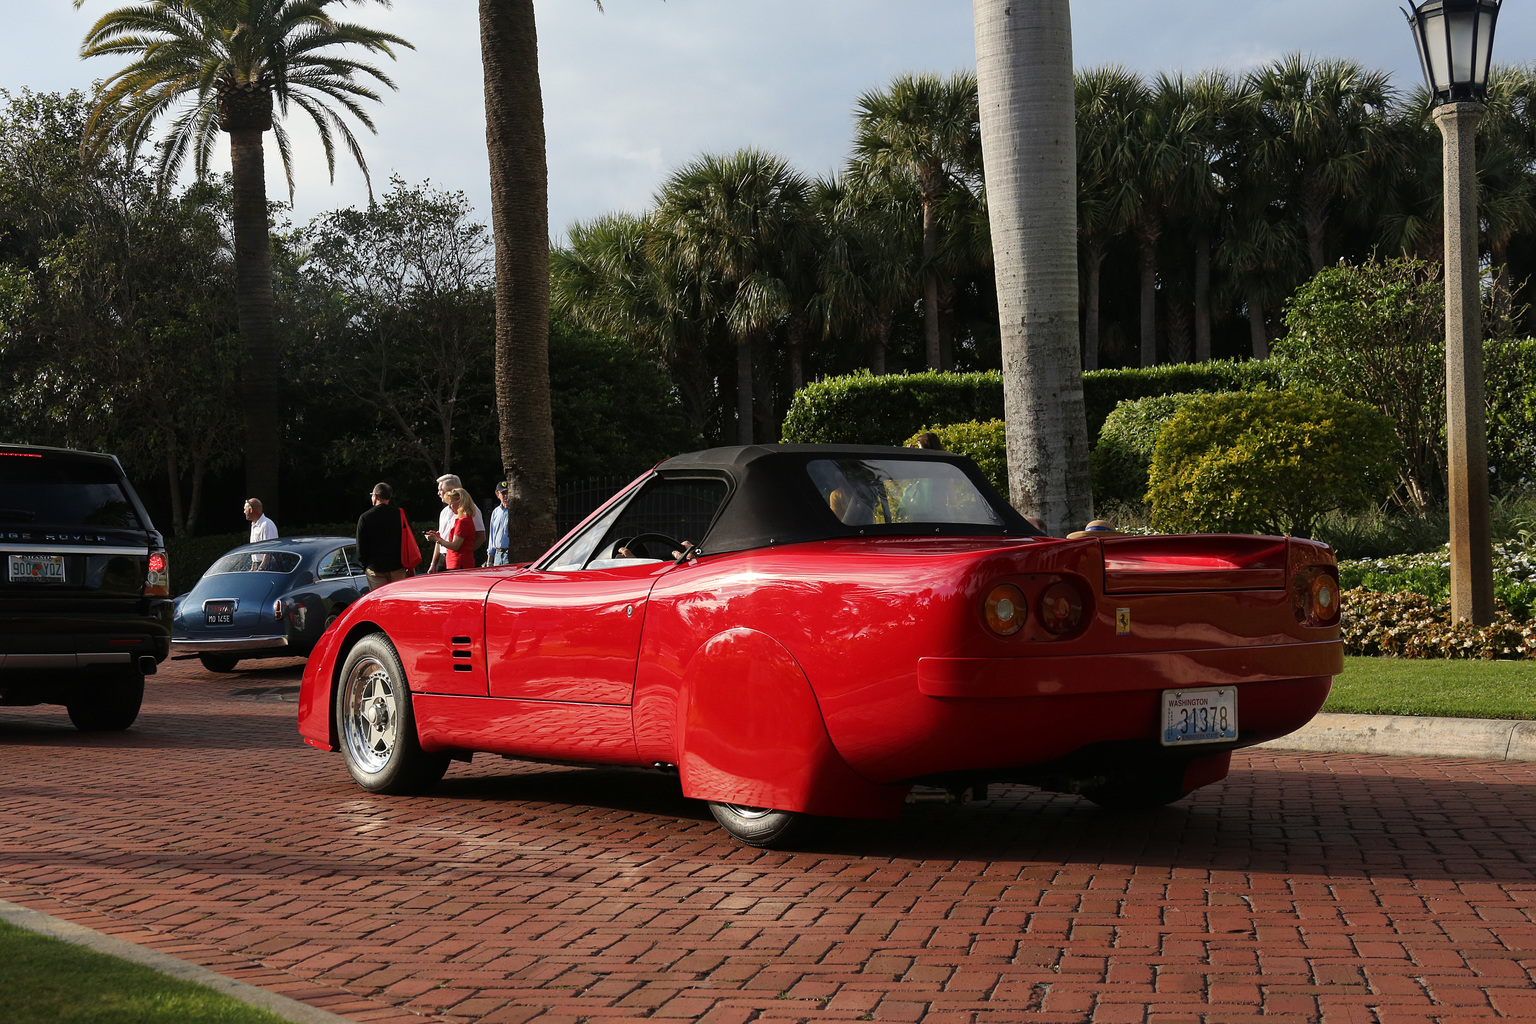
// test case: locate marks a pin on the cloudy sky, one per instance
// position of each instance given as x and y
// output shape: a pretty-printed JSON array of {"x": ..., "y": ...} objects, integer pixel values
[{"x": 632, "y": 93}]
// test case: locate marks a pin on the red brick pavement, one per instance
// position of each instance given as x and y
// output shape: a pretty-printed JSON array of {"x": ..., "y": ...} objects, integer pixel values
[{"x": 1305, "y": 888}]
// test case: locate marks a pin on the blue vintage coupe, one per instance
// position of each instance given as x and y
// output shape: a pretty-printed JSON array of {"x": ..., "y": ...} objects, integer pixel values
[{"x": 267, "y": 600}]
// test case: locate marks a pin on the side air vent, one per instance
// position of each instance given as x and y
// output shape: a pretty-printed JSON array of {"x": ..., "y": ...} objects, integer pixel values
[{"x": 462, "y": 655}]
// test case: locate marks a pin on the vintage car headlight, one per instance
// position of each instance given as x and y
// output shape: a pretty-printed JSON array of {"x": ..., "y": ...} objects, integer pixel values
[
  {"x": 1061, "y": 608},
  {"x": 1005, "y": 609},
  {"x": 1315, "y": 595}
]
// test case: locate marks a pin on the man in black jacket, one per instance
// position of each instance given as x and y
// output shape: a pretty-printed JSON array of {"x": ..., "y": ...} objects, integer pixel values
[{"x": 378, "y": 540}]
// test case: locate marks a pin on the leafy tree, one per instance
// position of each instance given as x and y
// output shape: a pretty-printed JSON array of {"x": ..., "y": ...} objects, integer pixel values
[
  {"x": 227, "y": 64},
  {"x": 399, "y": 300},
  {"x": 117, "y": 328}
]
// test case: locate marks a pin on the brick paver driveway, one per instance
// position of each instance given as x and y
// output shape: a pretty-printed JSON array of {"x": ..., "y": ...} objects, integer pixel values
[{"x": 1305, "y": 888}]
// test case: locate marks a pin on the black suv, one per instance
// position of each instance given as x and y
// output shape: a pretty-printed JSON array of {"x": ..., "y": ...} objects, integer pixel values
[{"x": 85, "y": 606}]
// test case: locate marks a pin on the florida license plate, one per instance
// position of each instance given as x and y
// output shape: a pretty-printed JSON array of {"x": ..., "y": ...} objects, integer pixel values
[
  {"x": 37, "y": 568},
  {"x": 1199, "y": 716},
  {"x": 219, "y": 613}
]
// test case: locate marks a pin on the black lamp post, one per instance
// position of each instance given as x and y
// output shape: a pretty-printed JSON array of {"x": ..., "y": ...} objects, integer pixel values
[{"x": 1455, "y": 40}]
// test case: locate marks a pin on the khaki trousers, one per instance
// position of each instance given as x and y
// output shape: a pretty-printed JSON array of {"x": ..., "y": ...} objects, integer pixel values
[{"x": 378, "y": 579}]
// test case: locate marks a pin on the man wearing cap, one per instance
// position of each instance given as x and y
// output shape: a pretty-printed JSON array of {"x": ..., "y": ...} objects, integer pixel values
[
  {"x": 378, "y": 540},
  {"x": 499, "y": 552}
]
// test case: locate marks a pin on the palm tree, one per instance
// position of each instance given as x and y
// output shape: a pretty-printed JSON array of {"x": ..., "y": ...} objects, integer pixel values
[
  {"x": 923, "y": 128},
  {"x": 223, "y": 65},
  {"x": 1506, "y": 171},
  {"x": 1108, "y": 100},
  {"x": 1323, "y": 125},
  {"x": 732, "y": 220},
  {"x": 1024, "y": 70}
]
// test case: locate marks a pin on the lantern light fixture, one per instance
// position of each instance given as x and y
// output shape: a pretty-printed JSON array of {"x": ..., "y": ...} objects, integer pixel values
[{"x": 1455, "y": 41}]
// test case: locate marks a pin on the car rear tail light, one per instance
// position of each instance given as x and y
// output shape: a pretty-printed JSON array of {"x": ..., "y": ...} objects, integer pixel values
[
  {"x": 277, "y": 610},
  {"x": 1315, "y": 595},
  {"x": 1061, "y": 608},
  {"x": 157, "y": 581},
  {"x": 1005, "y": 609}
]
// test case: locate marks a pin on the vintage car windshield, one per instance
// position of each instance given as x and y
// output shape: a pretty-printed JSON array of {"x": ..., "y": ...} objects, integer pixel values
[
  {"x": 282, "y": 562},
  {"x": 662, "y": 516},
  {"x": 891, "y": 491}
]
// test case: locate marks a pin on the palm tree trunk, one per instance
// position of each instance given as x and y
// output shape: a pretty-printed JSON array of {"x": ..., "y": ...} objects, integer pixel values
[
  {"x": 514, "y": 136},
  {"x": 935, "y": 353},
  {"x": 1028, "y": 137},
  {"x": 1095, "y": 262},
  {"x": 1148, "y": 266},
  {"x": 796, "y": 354},
  {"x": 253, "y": 301},
  {"x": 173, "y": 477},
  {"x": 1258, "y": 337},
  {"x": 743, "y": 389},
  {"x": 1202, "y": 298},
  {"x": 882, "y": 341}
]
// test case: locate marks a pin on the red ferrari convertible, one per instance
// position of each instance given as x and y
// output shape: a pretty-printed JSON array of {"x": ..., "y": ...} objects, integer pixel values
[{"x": 802, "y": 630}]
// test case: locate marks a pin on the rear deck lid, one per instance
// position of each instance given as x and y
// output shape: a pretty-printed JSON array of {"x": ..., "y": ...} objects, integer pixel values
[{"x": 1154, "y": 565}]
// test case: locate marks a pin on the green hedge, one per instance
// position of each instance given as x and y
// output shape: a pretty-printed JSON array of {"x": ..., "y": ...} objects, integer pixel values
[
  {"x": 865, "y": 409},
  {"x": 1122, "y": 458}
]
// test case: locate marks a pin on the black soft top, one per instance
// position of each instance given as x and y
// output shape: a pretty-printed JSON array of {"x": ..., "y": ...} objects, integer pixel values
[{"x": 773, "y": 499}]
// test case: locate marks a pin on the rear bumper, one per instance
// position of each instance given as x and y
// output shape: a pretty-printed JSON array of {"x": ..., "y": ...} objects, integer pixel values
[
  {"x": 53, "y": 640},
  {"x": 181, "y": 648}
]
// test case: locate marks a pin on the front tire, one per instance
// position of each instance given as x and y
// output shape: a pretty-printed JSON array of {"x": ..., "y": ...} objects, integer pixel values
[
  {"x": 376, "y": 725},
  {"x": 110, "y": 705},
  {"x": 756, "y": 826},
  {"x": 219, "y": 662}
]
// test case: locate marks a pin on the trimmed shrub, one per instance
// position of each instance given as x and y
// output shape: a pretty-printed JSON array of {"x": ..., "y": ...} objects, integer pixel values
[
  {"x": 1409, "y": 625},
  {"x": 1268, "y": 462},
  {"x": 862, "y": 408},
  {"x": 1122, "y": 457},
  {"x": 983, "y": 443}
]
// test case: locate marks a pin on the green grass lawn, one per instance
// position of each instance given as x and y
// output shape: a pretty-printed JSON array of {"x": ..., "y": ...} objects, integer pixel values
[
  {"x": 46, "y": 981},
  {"x": 1454, "y": 689}
]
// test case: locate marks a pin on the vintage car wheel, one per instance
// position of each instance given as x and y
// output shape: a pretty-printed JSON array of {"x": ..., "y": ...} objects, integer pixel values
[
  {"x": 218, "y": 662},
  {"x": 755, "y": 826},
  {"x": 110, "y": 705},
  {"x": 1146, "y": 790},
  {"x": 378, "y": 731}
]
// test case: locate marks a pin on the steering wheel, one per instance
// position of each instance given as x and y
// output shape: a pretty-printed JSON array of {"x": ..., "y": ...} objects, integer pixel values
[{"x": 644, "y": 545}]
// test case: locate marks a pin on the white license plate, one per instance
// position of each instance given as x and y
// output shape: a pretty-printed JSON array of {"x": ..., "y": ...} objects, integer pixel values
[
  {"x": 37, "y": 568},
  {"x": 1199, "y": 716}
]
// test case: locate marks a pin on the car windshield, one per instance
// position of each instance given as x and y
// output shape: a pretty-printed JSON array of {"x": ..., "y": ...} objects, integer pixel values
[
  {"x": 890, "y": 491},
  {"x": 282, "y": 562},
  {"x": 62, "y": 491}
]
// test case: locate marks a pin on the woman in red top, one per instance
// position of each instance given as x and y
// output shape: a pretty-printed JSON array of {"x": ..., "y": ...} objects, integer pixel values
[{"x": 459, "y": 543}]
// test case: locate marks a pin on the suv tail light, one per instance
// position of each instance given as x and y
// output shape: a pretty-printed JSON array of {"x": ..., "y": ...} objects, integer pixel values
[
  {"x": 157, "y": 581},
  {"x": 1315, "y": 595}
]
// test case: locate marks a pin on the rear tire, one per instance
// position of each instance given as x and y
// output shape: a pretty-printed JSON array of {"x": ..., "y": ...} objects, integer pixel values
[
  {"x": 218, "y": 662},
  {"x": 756, "y": 826},
  {"x": 110, "y": 705},
  {"x": 376, "y": 725}
]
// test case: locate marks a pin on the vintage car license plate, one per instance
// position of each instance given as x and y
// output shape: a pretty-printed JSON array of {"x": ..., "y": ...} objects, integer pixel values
[
  {"x": 37, "y": 568},
  {"x": 1199, "y": 716},
  {"x": 219, "y": 613}
]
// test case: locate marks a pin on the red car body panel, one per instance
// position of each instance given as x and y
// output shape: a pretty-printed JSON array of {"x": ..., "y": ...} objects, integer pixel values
[{"x": 828, "y": 676}]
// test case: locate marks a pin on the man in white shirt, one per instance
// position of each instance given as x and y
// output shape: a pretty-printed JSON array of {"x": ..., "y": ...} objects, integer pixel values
[
  {"x": 445, "y": 485},
  {"x": 262, "y": 528}
]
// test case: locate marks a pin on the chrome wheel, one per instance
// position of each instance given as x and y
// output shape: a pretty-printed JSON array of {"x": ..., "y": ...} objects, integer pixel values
[
  {"x": 756, "y": 826},
  {"x": 375, "y": 725},
  {"x": 371, "y": 726}
]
